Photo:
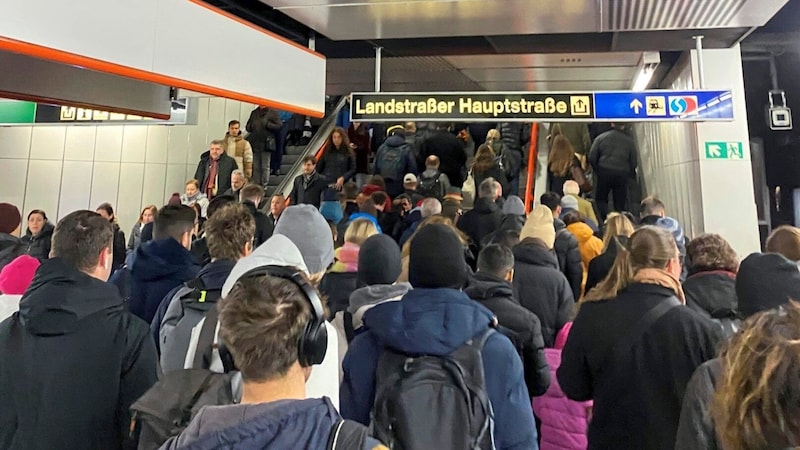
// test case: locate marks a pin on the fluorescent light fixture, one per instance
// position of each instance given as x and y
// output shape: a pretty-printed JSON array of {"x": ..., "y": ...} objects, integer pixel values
[{"x": 646, "y": 69}]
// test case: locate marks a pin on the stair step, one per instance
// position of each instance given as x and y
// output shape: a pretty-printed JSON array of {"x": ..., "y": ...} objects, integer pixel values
[
  {"x": 295, "y": 150},
  {"x": 289, "y": 159},
  {"x": 275, "y": 180}
]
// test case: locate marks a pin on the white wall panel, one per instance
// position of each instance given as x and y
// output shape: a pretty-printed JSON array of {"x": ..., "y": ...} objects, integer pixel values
[
  {"x": 232, "y": 111},
  {"x": 80, "y": 143},
  {"x": 216, "y": 115},
  {"x": 13, "y": 173},
  {"x": 129, "y": 197},
  {"x": 105, "y": 184},
  {"x": 175, "y": 180},
  {"x": 16, "y": 142},
  {"x": 157, "y": 145},
  {"x": 48, "y": 142},
  {"x": 153, "y": 187},
  {"x": 134, "y": 143},
  {"x": 76, "y": 188},
  {"x": 43, "y": 186},
  {"x": 178, "y": 149},
  {"x": 108, "y": 143}
]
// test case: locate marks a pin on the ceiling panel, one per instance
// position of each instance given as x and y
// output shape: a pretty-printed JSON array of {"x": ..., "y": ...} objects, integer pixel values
[
  {"x": 394, "y": 19},
  {"x": 551, "y": 74},
  {"x": 557, "y": 86},
  {"x": 545, "y": 60}
]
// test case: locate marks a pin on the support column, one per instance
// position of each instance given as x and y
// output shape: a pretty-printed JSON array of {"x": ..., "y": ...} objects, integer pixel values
[{"x": 378, "y": 51}]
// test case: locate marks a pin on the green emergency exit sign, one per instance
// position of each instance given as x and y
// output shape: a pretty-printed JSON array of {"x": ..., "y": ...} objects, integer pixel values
[{"x": 724, "y": 150}]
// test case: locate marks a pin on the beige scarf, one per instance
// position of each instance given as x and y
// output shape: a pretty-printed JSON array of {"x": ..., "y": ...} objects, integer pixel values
[{"x": 662, "y": 278}]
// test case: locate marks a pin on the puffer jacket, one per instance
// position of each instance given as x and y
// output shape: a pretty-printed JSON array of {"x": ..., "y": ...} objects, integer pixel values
[
  {"x": 564, "y": 421},
  {"x": 614, "y": 153},
  {"x": 542, "y": 289},
  {"x": 38, "y": 246},
  {"x": 695, "y": 428},
  {"x": 590, "y": 246},
  {"x": 569, "y": 256},
  {"x": 336, "y": 163}
]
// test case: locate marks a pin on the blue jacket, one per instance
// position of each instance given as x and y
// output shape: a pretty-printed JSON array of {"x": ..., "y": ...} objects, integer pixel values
[
  {"x": 157, "y": 268},
  {"x": 436, "y": 322},
  {"x": 276, "y": 425}
]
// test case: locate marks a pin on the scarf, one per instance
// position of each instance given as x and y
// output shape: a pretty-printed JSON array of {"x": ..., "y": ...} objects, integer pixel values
[
  {"x": 211, "y": 183},
  {"x": 661, "y": 278},
  {"x": 346, "y": 258}
]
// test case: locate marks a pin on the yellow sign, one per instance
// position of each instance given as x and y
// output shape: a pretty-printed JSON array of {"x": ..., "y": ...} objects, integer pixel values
[
  {"x": 579, "y": 104},
  {"x": 656, "y": 105}
]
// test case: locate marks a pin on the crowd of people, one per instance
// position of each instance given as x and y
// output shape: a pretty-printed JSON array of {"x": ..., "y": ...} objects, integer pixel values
[{"x": 377, "y": 311}]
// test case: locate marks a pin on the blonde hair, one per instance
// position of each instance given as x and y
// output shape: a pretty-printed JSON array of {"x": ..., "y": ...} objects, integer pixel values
[
  {"x": 359, "y": 230},
  {"x": 194, "y": 182},
  {"x": 786, "y": 241},
  {"x": 617, "y": 225},
  {"x": 648, "y": 247},
  {"x": 493, "y": 135},
  {"x": 484, "y": 158},
  {"x": 756, "y": 403}
]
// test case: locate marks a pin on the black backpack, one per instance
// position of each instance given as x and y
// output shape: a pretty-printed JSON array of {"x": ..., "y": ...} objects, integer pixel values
[
  {"x": 393, "y": 161},
  {"x": 431, "y": 402},
  {"x": 431, "y": 187}
]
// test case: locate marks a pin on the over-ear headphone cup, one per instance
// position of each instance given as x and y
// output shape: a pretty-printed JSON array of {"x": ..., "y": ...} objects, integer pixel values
[{"x": 313, "y": 344}]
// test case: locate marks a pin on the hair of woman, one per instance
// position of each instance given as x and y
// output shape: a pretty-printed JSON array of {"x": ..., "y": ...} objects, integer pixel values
[
  {"x": 345, "y": 147},
  {"x": 757, "y": 401},
  {"x": 648, "y": 247},
  {"x": 618, "y": 225},
  {"x": 484, "y": 158},
  {"x": 562, "y": 156},
  {"x": 359, "y": 230}
]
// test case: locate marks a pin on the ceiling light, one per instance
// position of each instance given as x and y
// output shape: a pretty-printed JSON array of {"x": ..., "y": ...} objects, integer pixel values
[{"x": 645, "y": 70}]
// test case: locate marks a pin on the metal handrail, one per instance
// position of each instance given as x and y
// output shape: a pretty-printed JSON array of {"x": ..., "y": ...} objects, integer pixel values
[{"x": 316, "y": 145}]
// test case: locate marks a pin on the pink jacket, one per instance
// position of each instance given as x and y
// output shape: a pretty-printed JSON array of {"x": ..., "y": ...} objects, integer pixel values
[{"x": 564, "y": 422}]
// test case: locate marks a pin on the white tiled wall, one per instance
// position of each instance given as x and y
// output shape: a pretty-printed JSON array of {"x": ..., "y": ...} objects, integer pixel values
[{"x": 64, "y": 168}]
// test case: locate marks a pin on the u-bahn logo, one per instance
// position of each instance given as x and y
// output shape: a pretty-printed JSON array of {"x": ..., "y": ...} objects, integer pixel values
[{"x": 683, "y": 105}]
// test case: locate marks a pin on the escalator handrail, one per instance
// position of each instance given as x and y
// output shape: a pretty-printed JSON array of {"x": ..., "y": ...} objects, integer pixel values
[{"x": 315, "y": 147}]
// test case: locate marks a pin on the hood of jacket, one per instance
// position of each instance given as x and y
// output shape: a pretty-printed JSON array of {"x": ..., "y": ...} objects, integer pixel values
[
  {"x": 512, "y": 222},
  {"x": 60, "y": 297},
  {"x": 395, "y": 140},
  {"x": 279, "y": 424},
  {"x": 483, "y": 286},
  {"x": 363, "y": 299},
  {"x": 428, "y": 321},
  {"x": 47, "y": 232},
  {"x": 159, "y": 259},
  {"x": 236, "y": 138},
  {"x": 486, "y": 206},
  {"x": 535, "y": 255},
  {"x": 712, "y": 291},
  {"x": 581, "y": 231}
]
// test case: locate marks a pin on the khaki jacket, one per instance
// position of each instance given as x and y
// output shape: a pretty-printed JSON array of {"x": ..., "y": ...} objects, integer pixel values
[{"x": 239, "y": 149}]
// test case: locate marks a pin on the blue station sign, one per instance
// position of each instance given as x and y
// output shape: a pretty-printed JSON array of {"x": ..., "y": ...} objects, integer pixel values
[{"x": 622, "y": 106}]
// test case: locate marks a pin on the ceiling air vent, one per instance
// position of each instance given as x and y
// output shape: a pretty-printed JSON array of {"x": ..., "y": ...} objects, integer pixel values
[{"x": 641, "y": 15}]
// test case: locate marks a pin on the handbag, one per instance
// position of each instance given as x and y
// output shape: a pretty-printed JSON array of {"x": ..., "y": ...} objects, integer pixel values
[
  {"x": 468, "y": 192},
  {"x": 579, "y": 176}
]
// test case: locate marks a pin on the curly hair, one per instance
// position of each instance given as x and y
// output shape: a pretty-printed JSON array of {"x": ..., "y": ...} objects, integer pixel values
[
  {"x": 757, "y": 403},
  {"x": 228, "y": 231},
  {"x": 709, "y": 252}
]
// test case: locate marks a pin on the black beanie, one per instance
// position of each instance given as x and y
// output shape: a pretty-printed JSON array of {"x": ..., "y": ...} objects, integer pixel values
[
  {"x": 378, "y": 261},
  {"x": 437, "y": 259},
  {"x": 766, "y": 281}
]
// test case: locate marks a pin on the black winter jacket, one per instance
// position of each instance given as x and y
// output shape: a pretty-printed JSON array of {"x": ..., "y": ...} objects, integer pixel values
[
  {"x": 696, "y": 429},
  {"x": 568, "y": 253},
  {"x": 480, "y": 221},
  {"x": 514, "y": 135},
  {"x": 337, "y": 287},
  {"x": 10, "y": 248},
  {"x": 225, "y": 168},
  {"x": 495, "y": 172},
  {"x": 614, "y": 153},
  {"x": 264, "y": 226},
  {"x": 452, "y": 157},
  {"x": 262, "y": 125},
  {"x": 310, "y": 192},
  {"x": 637, "y": 398},
  {"x": 498, "y": 295},
  {"x": 119, "y": 248},
  {"x": 334, "y": 164},
  {"x": 542, "y": 289},
  {"x": 80, "y": 362},
  {"x": 39, "y": 246},
  {"x": 713, "y": 295},
  {"x": 600, "y": 266}
]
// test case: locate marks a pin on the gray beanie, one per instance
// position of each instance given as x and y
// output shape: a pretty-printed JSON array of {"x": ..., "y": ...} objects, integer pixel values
[
  {"x": 308, "y": 230},
  {"x": 514, "y": 206}
]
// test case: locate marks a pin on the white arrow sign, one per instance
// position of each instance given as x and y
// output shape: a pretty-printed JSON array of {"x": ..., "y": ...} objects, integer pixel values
[
  {"x": 716, "y": 151},
  {"x": 636, "y": 105}
]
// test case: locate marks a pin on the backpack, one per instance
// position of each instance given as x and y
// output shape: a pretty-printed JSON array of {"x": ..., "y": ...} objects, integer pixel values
[
  {"x": 186, "y": 309},
  {"x": 392, "y": 161},
  {"x": 427, "y": 402},
  {"x": 431, "y": 187}
]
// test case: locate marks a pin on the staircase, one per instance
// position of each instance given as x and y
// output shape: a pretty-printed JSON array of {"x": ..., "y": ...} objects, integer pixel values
[{"x": 292, "y": 155}]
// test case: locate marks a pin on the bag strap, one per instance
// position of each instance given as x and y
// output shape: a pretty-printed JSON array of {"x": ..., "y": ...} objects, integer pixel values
[
  {"x": 623, "y": 347},
  {"x": 205, "y": 341},
  {"x": 347, "y": 435},
  {"x": 349, "y": 330}
]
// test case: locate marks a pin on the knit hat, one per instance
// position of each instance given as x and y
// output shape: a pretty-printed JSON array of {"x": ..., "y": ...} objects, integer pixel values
[
  {"x": 540, "y": 225},
  {"x": 514, "y": 206},
  {"x": 569, "y": 202},
  {"x": 378, "y": 261},
  {"x": 332, "y": 211},
  {"x": 437, "y": 259},
  {"x": 309, "y": 231},
  {"x": 275, "y": 251},
  {"x": 17, "y": 275},
  {"x": 10, "y": 218},
  {"x": 672, "y": 225},
  {"x": 174, "y": 200},
  {"x": 766, "y": 281}
]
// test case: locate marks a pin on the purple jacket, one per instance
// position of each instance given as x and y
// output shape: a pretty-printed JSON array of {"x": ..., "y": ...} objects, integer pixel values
[{"x": 564, "y": 422}]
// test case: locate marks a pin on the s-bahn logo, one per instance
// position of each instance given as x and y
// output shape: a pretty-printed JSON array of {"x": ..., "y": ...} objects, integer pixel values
[{"x": 683, "y": 105}]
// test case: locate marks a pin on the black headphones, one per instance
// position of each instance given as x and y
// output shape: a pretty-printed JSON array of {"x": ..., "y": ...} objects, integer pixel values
[{"x": 313, "y": 343}]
